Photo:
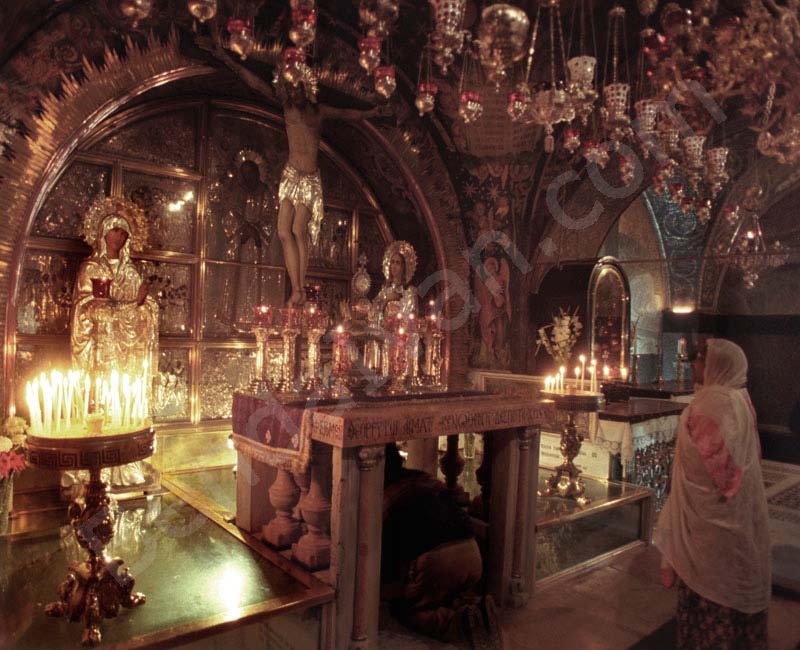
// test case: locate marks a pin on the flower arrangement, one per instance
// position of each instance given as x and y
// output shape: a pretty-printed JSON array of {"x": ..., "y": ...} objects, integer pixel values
[
  {"x": 11, "y": 440},
  {"x": 562, "y": 336}
]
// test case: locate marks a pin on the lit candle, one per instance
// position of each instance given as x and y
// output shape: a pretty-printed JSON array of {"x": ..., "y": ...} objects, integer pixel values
[
  {"x": 592, "y": 378},
  {"x": 32, "y": 398},
  {"x": 47, "y": 403},
  {"x": 623, "y": 372},
  {"x": 606, "y": 372},
  {"x": 561, "y": 372},
  {"x": 578, "y": 382},
  {"x": 87, "y": 385},
  {"x": 582, "y": 359},
  {"x": 340, "y": 357}
]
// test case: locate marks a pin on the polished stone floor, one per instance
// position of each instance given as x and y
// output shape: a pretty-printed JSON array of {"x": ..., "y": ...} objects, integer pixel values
[
  {"x": 199, "y": 580},
  {"x": 614, "y": 607}
]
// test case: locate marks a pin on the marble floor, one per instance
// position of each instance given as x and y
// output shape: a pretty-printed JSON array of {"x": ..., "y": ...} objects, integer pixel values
[{"x": 616, "y": 606}]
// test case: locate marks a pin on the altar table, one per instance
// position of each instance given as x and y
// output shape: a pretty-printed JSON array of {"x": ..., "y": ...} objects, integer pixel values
[{"x": 348, "y": 441}]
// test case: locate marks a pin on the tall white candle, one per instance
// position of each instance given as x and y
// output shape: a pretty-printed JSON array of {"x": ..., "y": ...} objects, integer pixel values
[
  {"x": 592, "y": 377},
  {"x": 32, "y": 399},
  {"x": 87, "y": 389},
  {"x": 561, "y": 372},
  {"x": 578, "y": 382},
  {"x": 582, "y": 359}
]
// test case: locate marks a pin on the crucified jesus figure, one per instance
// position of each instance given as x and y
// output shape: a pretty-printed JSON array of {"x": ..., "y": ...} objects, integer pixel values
[{"x": 300, "y": 190}]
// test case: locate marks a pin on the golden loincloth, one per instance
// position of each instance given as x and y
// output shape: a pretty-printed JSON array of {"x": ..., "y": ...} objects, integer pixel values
[{"x": 303, "y": 189}]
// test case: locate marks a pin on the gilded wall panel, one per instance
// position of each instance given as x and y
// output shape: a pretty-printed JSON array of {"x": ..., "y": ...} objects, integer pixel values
[
  {"x": 45, "y": 295},
  {"x": 171, "y": 386},
  {"x": 171, "y": 286},
  {"x": 221, "y": 373},
  {"x": 170, "y": 205},
  {"x": 233, "y": 291},
  {"x": 167, "y": 140},
  {"x": 62, "y": 213}
]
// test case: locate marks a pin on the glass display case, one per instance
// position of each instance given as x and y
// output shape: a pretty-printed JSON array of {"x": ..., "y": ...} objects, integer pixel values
[{"x": 571, "y": 538}]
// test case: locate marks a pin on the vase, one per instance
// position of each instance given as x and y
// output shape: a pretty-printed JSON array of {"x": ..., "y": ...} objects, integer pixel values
[{"x": 6, "y": 503}]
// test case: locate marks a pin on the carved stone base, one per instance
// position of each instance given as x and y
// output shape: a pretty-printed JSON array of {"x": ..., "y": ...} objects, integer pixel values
[
  {"x": 282, "y": 531},
  {"x": 312, "y": 552},
  {"x": 517, "y": 596}
]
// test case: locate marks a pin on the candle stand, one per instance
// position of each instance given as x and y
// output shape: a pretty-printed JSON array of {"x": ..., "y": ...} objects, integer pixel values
[
  {"x": 567, "y": 481},
  {"x": 97, "y": 587}
]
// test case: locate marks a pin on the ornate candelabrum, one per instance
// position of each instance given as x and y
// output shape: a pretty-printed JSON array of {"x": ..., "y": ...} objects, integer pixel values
[
  {"x": 263, "y": 329},
  {"x": 432, "y": 363},
  {"x": 412, "y": 362},
  {"x": 291, "y": 330},
  {"x": 398, "y": 361},
  {"x": 97, "y": 587},
  {"x": 680, "y": 363},
  {"x": 567, "y": 481},
  {"x": 342, "y": 363},
  {"x": 316, "y": 324}
]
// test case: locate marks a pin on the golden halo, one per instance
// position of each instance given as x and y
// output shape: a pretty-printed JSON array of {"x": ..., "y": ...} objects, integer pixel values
[
  {"x": 105, "y": 206},
  {"x": 408, "y": 254}
]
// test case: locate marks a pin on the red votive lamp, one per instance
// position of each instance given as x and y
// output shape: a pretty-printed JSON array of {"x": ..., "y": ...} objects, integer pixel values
[
  {"x": 101, "y": 287},
  {"x": 263, "y": 316}
]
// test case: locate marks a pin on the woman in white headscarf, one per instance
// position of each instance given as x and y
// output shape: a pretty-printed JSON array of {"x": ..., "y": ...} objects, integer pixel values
[{"x": 713, "y": 531}]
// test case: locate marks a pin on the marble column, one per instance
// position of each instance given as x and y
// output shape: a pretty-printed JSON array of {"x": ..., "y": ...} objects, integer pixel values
[
  {"x": 283, "y": 530},
  {"x": 518, "y": 595},
  {"x": 313, "y": 550},
  {"x": 366, "y": 599}
]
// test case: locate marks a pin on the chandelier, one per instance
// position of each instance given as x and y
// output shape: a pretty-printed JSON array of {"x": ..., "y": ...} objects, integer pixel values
[
  {"x": 746, "y": 249},
  {"x": 693, "y": 63}
]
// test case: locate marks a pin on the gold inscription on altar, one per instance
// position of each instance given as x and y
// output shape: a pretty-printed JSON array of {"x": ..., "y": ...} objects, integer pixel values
[{"x": 350, "y": 429}]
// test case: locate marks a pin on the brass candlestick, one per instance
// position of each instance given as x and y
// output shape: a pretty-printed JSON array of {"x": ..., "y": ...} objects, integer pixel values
[
  {"x": 289, "y": 334},
  {"x": 316, "y": 324},
  {"x": 97, "y": 587},
  {"x": 262, "y": 382},
  {"x": 567, "y": 481},
  {"x": 342, "y": 363}
]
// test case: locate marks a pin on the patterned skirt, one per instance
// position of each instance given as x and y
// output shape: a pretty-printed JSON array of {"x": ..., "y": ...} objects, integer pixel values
[{"x": 705, "y": 625}]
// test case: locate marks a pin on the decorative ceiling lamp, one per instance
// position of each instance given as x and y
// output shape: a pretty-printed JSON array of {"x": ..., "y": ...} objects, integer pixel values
[
  {"x": 520, "y": 100},
  {"x": 378, "y": 17},
  {"x": 241, "y": 38},
  {"x": 202, "y": 10},
  {"x": 369, "y": 53},
  {"x": 135, "y": 9},
  {"x": 648, "y": 107},
  {"x": 747, "y": 249},
  {"x": 553, "y": 105},
  {"x": 385, "y": 80},
  {"x": 716, "y": 170},
  {"x": 470, "y": 102},
  {"x": 501, "y": 40},
  {"x": 580, "y": 85},
  {"x": 303, "y": 30},
  {"x": 581, "y": 72},
  {"x": 616, "y": 94},
  {"x": 447, "y": 37},
  {"x": 425, "y": 101}
]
